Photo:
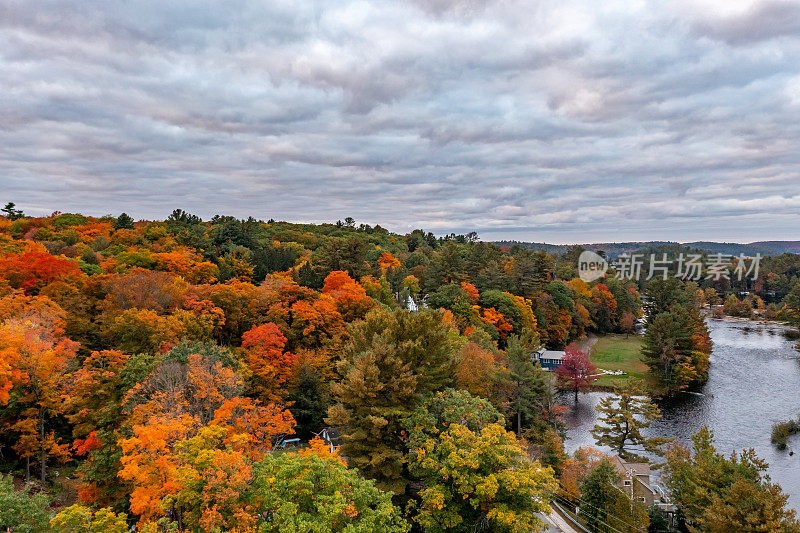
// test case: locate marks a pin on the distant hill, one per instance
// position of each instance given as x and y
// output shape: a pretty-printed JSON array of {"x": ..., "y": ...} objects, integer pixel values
[{"x": 614, "y": 249}]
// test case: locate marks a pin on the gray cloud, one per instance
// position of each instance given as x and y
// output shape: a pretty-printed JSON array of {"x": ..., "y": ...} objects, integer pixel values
[
  {"x": 568, "y": 121},
  {"x": 763, "y": 20}
]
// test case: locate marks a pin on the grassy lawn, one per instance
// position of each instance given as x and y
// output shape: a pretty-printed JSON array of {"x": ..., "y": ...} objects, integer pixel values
[{"x": 615, "y": 352}]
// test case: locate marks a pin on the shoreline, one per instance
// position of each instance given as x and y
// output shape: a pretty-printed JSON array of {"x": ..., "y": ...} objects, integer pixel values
[
  {"x": 707, "y": 314},
  {"x": 756, "y": 321}
]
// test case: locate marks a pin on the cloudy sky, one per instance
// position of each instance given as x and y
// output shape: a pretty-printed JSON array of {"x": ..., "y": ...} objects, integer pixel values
[{"x": 561, "y": 121}]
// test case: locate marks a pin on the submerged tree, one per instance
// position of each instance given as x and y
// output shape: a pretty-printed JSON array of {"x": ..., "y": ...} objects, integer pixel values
[{"x": 576, "y": 372}]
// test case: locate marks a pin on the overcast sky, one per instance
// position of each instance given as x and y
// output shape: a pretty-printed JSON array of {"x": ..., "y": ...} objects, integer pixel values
[{"x": 558, "y": 121}]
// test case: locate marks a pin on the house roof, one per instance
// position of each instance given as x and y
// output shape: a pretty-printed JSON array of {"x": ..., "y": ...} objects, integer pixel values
[
  {"x": 329, "y": 435},
  {"x": 551, "y": 354},
  {"x": 636, "y": 469}
]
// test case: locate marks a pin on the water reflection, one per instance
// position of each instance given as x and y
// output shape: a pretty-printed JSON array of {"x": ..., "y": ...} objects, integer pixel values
[{"x": 754, "y": 382}]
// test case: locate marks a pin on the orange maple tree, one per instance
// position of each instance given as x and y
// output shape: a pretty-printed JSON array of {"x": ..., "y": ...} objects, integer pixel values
[
  {"x": 351, "y": 298},
  {"x": 259, "y": 423},
  {"x": 576, "y": 468},
  {"x": 185, "y": 263},
  {"x": 35, "y": 359},
  {"x": 149, "y": 462},
  {"x": 498, "y": 320},
  {"x": 318, "y": 447},
  {"x": 307, "y": 318},
  {"x": 32, "y": 269},
  {"x": 265, "y": 356},
  {"x": 388, "y": 262},
  {"x": 183, "y": 406},
  {"x": 471, "y": 291}
]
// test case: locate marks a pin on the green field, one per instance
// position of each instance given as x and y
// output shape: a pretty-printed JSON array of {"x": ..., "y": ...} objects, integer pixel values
[{"x": 615, "y": 352}]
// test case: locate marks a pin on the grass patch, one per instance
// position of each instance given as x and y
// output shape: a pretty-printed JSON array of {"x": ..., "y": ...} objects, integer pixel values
[{"x": 615, "y": 352}]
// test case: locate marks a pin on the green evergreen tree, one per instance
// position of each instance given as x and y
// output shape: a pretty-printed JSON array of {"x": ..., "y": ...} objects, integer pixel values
[
  {"x": 718, "y": 493},
  {"x": 528, "y": 382},
  {"x": 663, "y": 295},
  {"x": 309, "y": 401},
  {"x": 11, "y": 212},
  {"x": 123, "y": 221},
  {"x": 446, "y": 267},
  {"x": 666, "y": 344},
  {"x": 623, "y": 416},
  {"x": 391, "y": 362}
]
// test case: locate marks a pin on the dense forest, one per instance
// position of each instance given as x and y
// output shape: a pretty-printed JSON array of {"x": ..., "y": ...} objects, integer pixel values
[{"x": 153, "y": 372}]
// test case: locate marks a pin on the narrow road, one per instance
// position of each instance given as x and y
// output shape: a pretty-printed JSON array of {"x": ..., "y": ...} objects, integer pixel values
[
  {"x": 588, "y": 343},
  {"x": 560, "y": 523}
]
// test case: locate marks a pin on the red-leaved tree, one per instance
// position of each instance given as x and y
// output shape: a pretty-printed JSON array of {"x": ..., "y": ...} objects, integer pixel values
[{"x": 576, "y": 371}]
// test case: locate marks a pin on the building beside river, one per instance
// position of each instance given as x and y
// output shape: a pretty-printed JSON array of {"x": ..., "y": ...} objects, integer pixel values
[
  {"x": 549, "y": 359},
  {"x": 635, "y": 480}
]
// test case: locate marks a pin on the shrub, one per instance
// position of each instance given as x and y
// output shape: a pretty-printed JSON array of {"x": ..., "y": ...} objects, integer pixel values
[{"x": 782, "y": 430}]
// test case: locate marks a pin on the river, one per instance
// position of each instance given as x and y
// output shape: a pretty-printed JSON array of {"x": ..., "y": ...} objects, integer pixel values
[{"x": 754, "y": 381}]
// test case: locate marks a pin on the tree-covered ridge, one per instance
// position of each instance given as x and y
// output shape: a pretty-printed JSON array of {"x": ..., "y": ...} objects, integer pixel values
[
  {"x": 163, "y": 363},
  {"x": 389, "y": 267},
  {"x": 614, "y": 249}
]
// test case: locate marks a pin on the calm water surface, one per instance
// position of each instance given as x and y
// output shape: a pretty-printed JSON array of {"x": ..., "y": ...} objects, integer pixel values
[{"x": 754, "y": 382}]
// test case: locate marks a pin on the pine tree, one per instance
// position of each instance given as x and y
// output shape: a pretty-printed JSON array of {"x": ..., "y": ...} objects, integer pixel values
[
  {"x": 308, "y": 401},
  {"x": 528, "y": 381},
  {"x": 623, "y": 416},
  {"x": 666, "y": 349},
  {"x": 124, "y": 221},
  {"x": 391, "y": 362},
  {"x": 719, "y": 493},
  {"x": 11, "y": 212}
]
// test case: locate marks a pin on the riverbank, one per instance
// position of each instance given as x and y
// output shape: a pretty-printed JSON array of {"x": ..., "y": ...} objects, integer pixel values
[
  {"x": 617, "y": 353},
  {"x": 753, "y": 383},
  {"x": 708, "y": 314}
]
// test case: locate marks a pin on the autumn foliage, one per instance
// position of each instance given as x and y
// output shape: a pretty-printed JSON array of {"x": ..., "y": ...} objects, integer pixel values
[
  {"x": 576, "y": 372},
  {"x": 31, "y": 270},
  {"x": 168, "y": 362},
  {"x": 351, "y": 298},
  {"x": 270, "y": 364},
  {"x": 387, "y": 262}
]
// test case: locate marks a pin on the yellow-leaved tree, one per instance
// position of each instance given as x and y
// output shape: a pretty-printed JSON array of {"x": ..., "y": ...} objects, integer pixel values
[{"x": 473, "y": 471}]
